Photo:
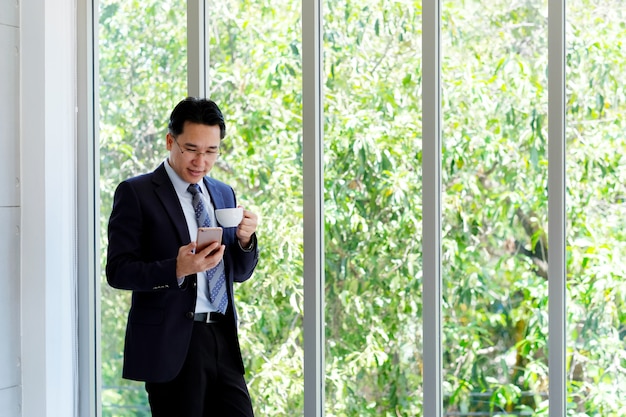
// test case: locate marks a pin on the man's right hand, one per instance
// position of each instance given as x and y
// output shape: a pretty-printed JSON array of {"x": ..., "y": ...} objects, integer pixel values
[{"x": 188, "y": 262}]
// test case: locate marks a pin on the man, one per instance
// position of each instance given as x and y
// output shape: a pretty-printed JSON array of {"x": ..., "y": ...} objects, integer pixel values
[{"x": 177, "y": 341}]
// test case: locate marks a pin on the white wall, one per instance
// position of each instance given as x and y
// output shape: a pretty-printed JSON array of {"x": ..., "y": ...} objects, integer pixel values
[
  {"x": 37, "y": 208},
  {"x": 48, "y": 214},
  {"x": 10, "y": 379}
]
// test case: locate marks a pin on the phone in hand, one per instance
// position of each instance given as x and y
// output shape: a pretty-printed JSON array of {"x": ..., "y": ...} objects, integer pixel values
[{"x": 206, "y": 236}]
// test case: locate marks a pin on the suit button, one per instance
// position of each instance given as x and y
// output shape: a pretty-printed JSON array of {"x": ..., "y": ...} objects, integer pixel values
[
  {"x": 195, "y": 284},
  {"x": 189, "y": 314}
]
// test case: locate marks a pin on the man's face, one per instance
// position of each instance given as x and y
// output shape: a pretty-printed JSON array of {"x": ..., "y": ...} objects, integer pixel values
[{"x": 193, "y": 152}]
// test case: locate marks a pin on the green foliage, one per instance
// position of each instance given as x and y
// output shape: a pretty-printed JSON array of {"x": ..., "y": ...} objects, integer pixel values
[
  {"x": 495, "y": 120},
  {"x": 495, "y": 221},
  {"x": 372, "y": 208}
]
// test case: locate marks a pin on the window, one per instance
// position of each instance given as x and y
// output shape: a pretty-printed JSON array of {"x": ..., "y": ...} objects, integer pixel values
[
  {"x": 595, "y": 207},
  {"x": 474, "y": 201},
  {"x": 372, "y": 207},
  {"x": 495, "y": 207},
  {"x": 255, "y": 72}
]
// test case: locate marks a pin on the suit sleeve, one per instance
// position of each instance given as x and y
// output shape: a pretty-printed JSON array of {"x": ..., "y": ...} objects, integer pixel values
[
  {"x": 137, "y": 258},
  {"x": 244, "y": 262}
]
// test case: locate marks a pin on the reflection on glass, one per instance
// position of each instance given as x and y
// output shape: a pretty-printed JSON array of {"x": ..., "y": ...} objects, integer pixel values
[
  {"x": 142, "y": 68},
  {"x": 494, "y": 265},
  {"x": 372, "y": 136},
  {"x": 596, "y": 208}
]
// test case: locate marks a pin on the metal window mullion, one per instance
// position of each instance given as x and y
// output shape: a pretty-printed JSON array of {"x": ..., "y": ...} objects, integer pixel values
[
  {"x": 87, "y": 214},
  {"x": 197, "y": 49},
  {"x": 556, "y": 208},
  {"x": 313, "y": 183},
  {"x": 431, "y": 206}
]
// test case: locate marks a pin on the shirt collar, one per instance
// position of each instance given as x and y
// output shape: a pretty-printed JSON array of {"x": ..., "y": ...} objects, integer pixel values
[{"x": 179, "y": 185}]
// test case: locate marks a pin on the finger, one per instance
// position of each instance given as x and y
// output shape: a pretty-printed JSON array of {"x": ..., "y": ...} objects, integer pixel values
[
  {"x": 213, "y": 246},
  {"x": 249, "y": 221},
  {"x": 248, "y": 214},
  {"x": 252, "y": 221},
  {"x": 187, "y": 249},
  {"x": 214, "y": 258},
  {"x": 249, "y": 226},
  {"x": 244, "y": 236}
]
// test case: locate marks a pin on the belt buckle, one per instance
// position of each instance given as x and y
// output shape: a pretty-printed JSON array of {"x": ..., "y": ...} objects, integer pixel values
[
  {"x": 217, "y": 317},
  {"x": 202, "y": 317}
]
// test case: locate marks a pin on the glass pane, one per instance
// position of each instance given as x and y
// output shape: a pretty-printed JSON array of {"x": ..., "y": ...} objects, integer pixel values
[
  {"x": 256, "y": 76},
  {"x": 143, "y": 70},
  {"x": 596, "y": 207},
  {"x": 494, "y": 266},
  {"x": 372, "y": 192}
]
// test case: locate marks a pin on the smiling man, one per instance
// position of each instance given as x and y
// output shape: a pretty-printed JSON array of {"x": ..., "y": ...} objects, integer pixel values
[{"x": 181, "y": 335}]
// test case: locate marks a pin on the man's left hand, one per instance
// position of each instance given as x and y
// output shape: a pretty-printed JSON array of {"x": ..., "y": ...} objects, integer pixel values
[{"x": 246, "y": 228}]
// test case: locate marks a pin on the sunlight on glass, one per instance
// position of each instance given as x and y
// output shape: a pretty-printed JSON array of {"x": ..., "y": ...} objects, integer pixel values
[
  {"x": 494, "y": 256},
  {"x": 596, "y": 207},
  {"x": 372, "y": 208}
]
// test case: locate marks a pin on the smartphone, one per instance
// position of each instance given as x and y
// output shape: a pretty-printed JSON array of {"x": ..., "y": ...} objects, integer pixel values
[{"x": 206, "y": 236}]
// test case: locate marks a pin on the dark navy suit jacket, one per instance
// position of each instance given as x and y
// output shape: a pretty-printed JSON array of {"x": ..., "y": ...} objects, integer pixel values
[{"x": 146, "y": 228}]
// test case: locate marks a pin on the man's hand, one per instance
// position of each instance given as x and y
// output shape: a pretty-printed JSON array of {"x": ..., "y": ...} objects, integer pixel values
[
  {"x": 246, "y": 228},
  {"x": 188, "y": 262}
]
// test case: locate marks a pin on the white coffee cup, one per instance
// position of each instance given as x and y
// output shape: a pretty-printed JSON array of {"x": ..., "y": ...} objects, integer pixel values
[{"x": 229, "y": 217}]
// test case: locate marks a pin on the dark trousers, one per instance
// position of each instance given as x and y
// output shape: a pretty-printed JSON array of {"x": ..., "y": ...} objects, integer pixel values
[{"x": 209, "y": 384}]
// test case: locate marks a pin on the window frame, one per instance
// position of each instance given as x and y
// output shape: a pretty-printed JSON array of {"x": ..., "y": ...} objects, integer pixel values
[{"x": 88, "y": 211}]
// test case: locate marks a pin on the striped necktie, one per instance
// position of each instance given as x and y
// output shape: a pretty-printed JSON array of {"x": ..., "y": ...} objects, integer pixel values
[{"x": 217, "y": 282}]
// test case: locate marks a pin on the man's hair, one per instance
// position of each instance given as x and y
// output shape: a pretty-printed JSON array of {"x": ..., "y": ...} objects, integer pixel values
[{"x": 196, "y": 110}]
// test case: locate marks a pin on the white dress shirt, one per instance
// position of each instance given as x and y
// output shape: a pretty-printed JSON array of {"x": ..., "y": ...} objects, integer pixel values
[{"x": 203, "y": 305}]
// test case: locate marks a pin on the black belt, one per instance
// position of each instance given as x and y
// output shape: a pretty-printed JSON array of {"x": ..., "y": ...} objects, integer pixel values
[{"x": 213, "y": 317}]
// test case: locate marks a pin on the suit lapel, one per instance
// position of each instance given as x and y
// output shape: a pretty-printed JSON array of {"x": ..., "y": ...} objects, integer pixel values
[{"x": 166, "y": 193}]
